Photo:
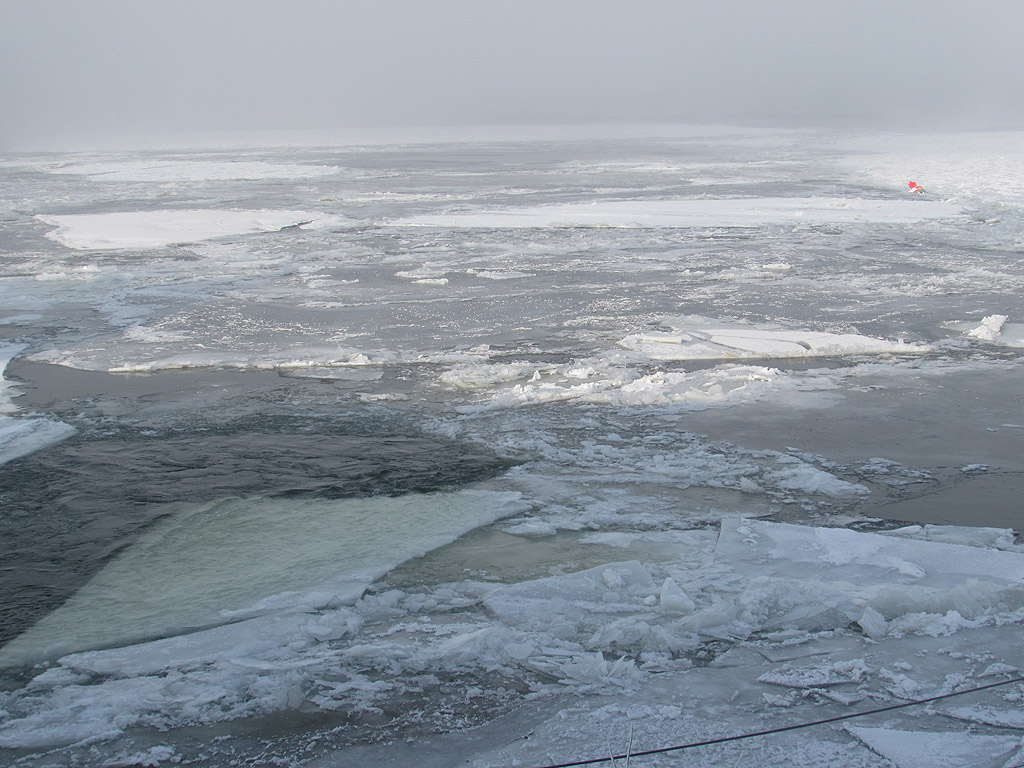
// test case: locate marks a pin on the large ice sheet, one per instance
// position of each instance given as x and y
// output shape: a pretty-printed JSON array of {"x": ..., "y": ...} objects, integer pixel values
[
  {"x": 207, "y": 564},
  {"x": 731, "y": 212},
  {"x": 927, "y": 749},
  {"x": 130, "y": 230},
  {"x": 192, "y": 170},
  {"x": 762, "y": 548},
  {"x": 240, "y": 642}
]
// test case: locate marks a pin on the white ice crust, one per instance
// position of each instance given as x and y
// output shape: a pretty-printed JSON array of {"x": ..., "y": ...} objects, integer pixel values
[
  {"x": 728, "y": 212},
  {"x": 134, "y": 230}
]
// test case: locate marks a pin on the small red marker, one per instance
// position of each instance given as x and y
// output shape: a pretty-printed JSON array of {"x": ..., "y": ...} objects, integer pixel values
[{"x": 916, "y": 188}]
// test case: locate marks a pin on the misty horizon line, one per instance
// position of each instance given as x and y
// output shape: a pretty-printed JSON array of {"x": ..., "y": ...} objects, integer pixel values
[{"x": 165, "y": 138}]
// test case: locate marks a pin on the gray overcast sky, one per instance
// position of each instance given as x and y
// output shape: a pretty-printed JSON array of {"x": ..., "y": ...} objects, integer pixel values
[{"x": 76, "y": 68}]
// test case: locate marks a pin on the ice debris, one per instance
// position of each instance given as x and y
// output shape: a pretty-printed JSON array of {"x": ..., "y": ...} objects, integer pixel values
[
  {"x": 780, "y": 594},
  {"x": 989, "y": 328}
]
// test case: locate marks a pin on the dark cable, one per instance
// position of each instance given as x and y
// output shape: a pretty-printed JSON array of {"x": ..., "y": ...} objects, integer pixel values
[{"x": 784, "y": 728}]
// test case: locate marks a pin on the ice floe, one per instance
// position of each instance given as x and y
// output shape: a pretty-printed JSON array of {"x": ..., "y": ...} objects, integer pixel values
[
  {"x": 728, "y": 212},
  {"x": 791, "y": 473},
  {"x": 993, "y": 329},
  {"x": 699, "y": 338},
  {"x": 192, "y": 170},
  {"x": 133, "y": 230},
  {"x": 993, "y": 538},
  {"x": 20, "y": 436},
  {"x": 131, "y": 356},
  {"x": 849, "y": 572},
  {"x": 937, "y": 749}
]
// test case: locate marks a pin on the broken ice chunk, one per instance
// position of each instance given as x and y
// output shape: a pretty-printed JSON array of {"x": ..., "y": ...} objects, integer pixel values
[
  {"x": 818, "y": 675},
  {"x": 674, "y": 600},
  {"x": 873, "y": 623}
]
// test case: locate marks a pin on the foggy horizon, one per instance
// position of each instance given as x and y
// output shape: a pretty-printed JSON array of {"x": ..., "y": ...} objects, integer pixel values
[{"x": 79, "y": 73}]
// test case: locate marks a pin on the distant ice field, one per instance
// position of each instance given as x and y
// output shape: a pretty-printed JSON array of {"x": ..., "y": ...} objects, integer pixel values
[
  {"x": 360, "y": 444},
  {"x": 189, "y": 170}
]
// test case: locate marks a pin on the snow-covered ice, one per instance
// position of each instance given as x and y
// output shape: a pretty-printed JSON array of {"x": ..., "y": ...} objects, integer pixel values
[{"x": 726, "y": 212}]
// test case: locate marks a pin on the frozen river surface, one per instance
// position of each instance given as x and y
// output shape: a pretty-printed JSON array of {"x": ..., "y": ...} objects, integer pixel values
[{"x": 323, "y": 454}]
